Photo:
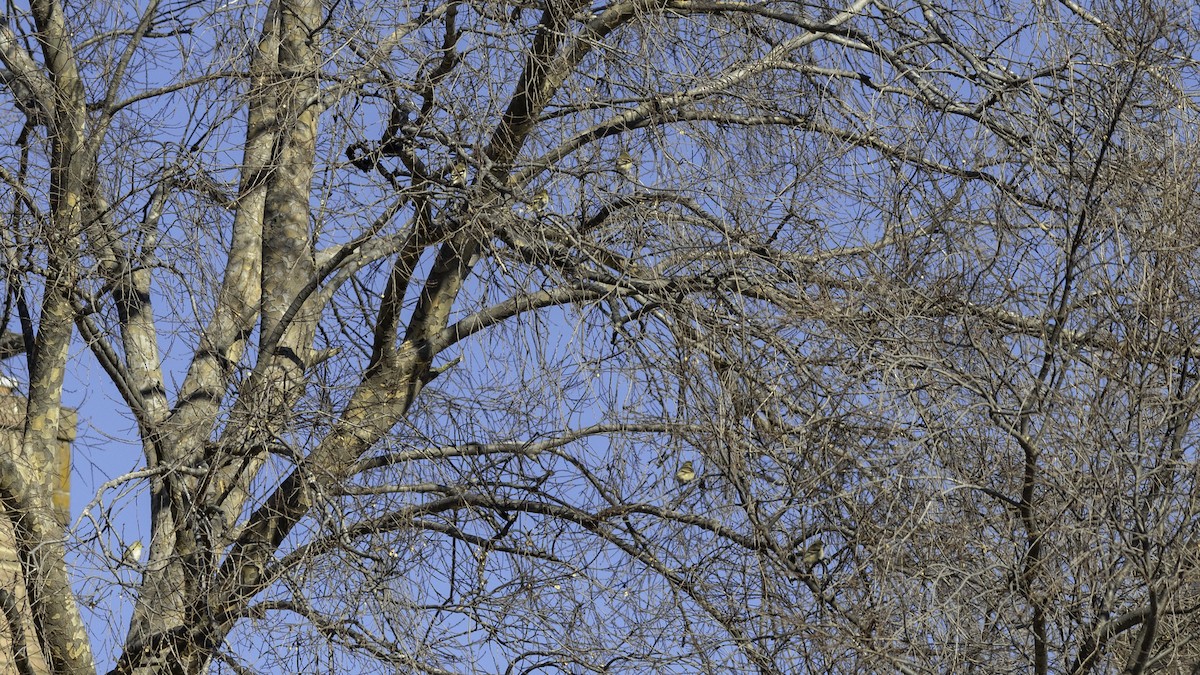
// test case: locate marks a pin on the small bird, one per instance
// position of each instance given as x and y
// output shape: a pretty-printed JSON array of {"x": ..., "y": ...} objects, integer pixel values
[
  {"x": 686, "y": 473},
  {"x": 810, "y": 558},
  {"x": 540, "y": 200},
  {"x": 458, "y": 174},
  {"x": 133, "y": 553},
  {"x": 814, "y": 554},
  {"x": 624, "y": 164}
]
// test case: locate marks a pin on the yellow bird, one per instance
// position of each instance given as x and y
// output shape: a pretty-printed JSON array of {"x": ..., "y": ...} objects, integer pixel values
[
  {"x": 814, "y": 554},
  {"x": 801, "y": 565},
  {"x": 133, "y": 553},
  {"x": 458, "y": 175},
  {"x": 686, "y": 473},
  {"x": 540, "y": 200},
  {"x": 624, "y": 164}
]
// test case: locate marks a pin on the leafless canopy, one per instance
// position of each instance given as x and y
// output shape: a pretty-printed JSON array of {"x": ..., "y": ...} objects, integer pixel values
[{"x": 416, "y": 312}]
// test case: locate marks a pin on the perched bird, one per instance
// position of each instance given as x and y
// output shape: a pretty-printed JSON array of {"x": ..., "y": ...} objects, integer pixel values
[
  {"x": 624, "y": 164},
  {"x": 686, "y": 473},
  {"x": 801, "y": 565},
  {"x": 814, "y": 554},
  {"x": 133, "y": 553},
  {"x": 458, "y": 174},
  {"x": 540, "y": 200}
]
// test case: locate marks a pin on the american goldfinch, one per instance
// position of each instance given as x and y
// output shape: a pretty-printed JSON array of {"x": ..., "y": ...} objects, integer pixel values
[
  {"x": 814, "y": 554},
  {"x": 802, "y": 563},
  {"x": 540, "y": 200},
  {"x": 458, "y": 174},
  {"x": 624, "y": 163},
  {"x": 686, "y": 473},
  {"x": 133, "y": 553}
]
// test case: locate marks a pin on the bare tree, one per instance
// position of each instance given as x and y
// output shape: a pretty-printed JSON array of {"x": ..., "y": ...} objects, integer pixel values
[{"x": 420, "y": 310}]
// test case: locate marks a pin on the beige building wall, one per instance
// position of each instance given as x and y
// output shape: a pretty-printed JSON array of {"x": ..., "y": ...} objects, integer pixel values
[{"x": 12, "y": 421}]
